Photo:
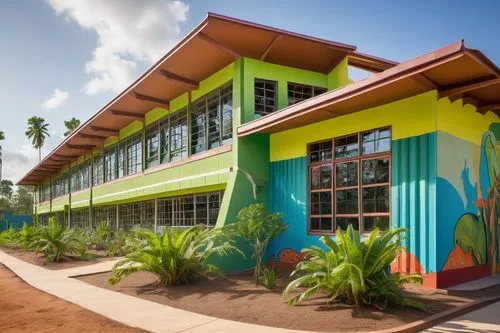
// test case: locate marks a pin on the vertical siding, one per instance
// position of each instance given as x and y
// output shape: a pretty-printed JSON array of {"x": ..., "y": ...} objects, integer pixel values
[{"x": 413, "y": 198}]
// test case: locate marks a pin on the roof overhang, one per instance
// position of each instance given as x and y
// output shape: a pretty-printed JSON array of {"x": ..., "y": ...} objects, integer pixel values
[
  {"x": 455, "y": 71},
  {"x": 215, "y": 43}
]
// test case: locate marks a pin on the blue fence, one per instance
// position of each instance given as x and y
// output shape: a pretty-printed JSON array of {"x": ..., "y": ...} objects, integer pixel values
[{"x": 8, "y": 220}]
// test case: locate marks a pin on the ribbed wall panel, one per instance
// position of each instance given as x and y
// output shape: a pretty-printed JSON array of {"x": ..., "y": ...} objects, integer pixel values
[{"x": 413, "y": 196}]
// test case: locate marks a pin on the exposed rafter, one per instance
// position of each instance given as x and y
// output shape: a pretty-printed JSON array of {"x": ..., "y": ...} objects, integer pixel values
[
  {"x": 91, "y": 136},
  {"x": 469, "y": 86},
  {"x": 269, "y": 47},
  {"x": 219, "y": 45},
  {"x": 135, "y": 115},
  {"x": 105, "y": 129},
  {"x": 80, "y": 147},
  {"x": 489, "y": 107},
  {"x": 146, "y": 98},
  {"x": 174, "y": 77},
  {"x": 471, "y": 101},
  {"x": 65, "y": 156}
]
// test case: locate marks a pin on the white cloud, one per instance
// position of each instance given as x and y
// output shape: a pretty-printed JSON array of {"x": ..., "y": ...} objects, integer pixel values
[
  {"x": 128, "y": 32},
  {"x": 55, "y": 100},
  {"x": 17, "y": 164}
]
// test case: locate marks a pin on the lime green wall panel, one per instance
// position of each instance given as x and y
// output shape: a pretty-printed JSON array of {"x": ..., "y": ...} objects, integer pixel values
[
  {"x": 59, "y": 203},
  {"x": 43, "y": 208},
  {"x": 80, "y": 199}
]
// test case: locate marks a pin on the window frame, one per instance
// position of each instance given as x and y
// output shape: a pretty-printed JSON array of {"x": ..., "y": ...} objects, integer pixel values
[
  {"x": 276, "y": 99},
  {"x": 314, "y": 91},
  {"x": 360, "y": 158}
]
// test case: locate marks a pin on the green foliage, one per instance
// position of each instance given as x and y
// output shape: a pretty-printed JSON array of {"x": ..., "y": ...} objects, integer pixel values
[
  {"x": 37, "y": 132},
  {"x": 56, "y": 242},
  {"x": 71, "y": 125},
  {"x": 176, "y": 256},
  {"x": 258, "y": 226},
  {"x": 353, "y": 271},
  {"x": 117, "y": 244},
  {"x": 269, "y": 278},
  {"x": 101, "y": 236},
  {"x": 28, "y": 235},
  {"x": 470, "y": 235},
  {"x": 9, "y": 238},
  {"x": 6, "y": 188}
]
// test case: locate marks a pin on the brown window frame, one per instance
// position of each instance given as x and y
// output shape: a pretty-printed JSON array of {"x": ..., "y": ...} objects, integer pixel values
[
  {"x": 333, "y": 162},
  {"x": 292, "y": 90}
]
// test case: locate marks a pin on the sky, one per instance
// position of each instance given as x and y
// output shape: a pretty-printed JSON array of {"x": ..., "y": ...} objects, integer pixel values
[{"x": 67, "y": 58}]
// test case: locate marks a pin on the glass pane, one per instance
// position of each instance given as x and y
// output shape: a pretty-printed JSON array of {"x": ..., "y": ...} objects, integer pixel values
[
  {"x": 376, "y": 199},
  {"x": 347, "y": 201},
  {"x": 321, "y": 177},
  {"x": 346, "y": 174},
  {"x": 368, "y": 147},
  {"x": 321, "y": 224},
  {"x": 382, "y": 145},
  {"x": 372, "y": 222},
  {"x": 346, "y": 147},
  {"x": 321, "y": 203},
  {"x": 320, "y": 152},
  {"x": 343, "y": 223},
  {"x": 376, "y": 171},
  {"x": 265, "y": 97}
]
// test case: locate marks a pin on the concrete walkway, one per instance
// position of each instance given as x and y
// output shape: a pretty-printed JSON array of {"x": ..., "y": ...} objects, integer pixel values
[
  {"x": 129, "y": 310},
  {"x": 478, "y": 284},
  {"x": 485, "y": 320}
]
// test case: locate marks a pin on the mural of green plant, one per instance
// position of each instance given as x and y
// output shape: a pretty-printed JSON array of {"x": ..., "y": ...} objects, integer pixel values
[{"x": 470, "y": 235}]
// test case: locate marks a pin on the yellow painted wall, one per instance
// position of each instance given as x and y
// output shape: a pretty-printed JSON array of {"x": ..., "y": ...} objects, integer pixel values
[
  {"x": 463, "y": 121},
  {"x": 409, "y": 117}
]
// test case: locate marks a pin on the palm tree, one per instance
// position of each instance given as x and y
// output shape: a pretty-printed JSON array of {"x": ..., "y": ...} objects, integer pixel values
[
  {"x": 71, "y": 125},
  {"x": 37, "y": 132},
  {"x": 2, "y": 137}
]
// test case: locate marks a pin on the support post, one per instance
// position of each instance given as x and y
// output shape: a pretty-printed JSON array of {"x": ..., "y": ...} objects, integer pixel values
[{"x": 156, "y": 215}]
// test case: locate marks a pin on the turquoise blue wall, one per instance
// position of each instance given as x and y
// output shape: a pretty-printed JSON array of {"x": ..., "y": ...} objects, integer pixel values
[
  {"x": 412, "y": 195},
  {"x": 15, "y": 221}
]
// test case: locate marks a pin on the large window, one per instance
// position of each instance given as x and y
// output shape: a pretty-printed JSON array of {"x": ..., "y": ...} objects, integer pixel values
[
  {"x": 106, "y": 214},
  {"x": 80, "y": 218},
  {"x": 98, "y": 170},
  {"x": 189, "y": 210},
  {"x": 60, "y": 185},
  {"x": 349, "y": 182},
  {"x": 80, "y": 176},
  {"x": 178, "y": 135},
  {"x": 266, "y": 97},
  {"x": 134, "y": 154},
  {"x": 110, "y": 164},
  {"x": 45, "y": 192},
  {"x": 301, "y": 92},
  {"x": 211, "y": 120}
]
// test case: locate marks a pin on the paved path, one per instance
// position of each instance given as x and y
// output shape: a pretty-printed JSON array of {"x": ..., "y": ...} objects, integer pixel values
[
  {"x": 132, "y": 311},
  {"x": 485, "y": 320},
  {"x": 478, "y": 284}
]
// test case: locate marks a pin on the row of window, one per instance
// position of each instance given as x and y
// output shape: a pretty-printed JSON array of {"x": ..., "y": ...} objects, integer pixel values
[
  {"x": 180, "y": 211},
  {"x": 266, "y": 95},
  {"x": 349, "y": 182}
]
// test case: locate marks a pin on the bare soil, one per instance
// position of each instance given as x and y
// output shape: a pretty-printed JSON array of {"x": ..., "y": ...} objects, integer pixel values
[
  {"x": 26, "y": 309},
  {"x": 38, "y": 259},
  {"x": 237, "y": 298}
]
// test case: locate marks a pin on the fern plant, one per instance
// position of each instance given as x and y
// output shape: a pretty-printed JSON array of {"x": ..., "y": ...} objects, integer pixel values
[
  {"x": 101, "y": 236},
  {"x": 28, "y": 235},
  {"x": 175, "y": 257},
  {"x": 269, "y": 277},
  {"x": 9, "y": 238},
  {"x": 57, "y": 242},
  {"x": 353, "y": 271}
]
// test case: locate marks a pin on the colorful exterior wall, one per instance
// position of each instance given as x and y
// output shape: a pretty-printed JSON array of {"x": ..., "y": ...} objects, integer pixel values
[
  {"x": 468, "y": 211},
  {"x": 444, "y": 165}
]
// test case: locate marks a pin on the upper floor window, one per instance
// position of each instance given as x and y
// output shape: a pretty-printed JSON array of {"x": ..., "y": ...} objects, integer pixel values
[
  {"x": 110, "y": 164},
  {"x": 98, "y": 169},
  {"x": 80, "y": 176},
  {"x": 212, "y": 120},
  {"x": 178, "y": 135},
  {"x": 134, "y": 154},
  {"x": 266, "y": 97},
  {"x": 60, "y": 185},
  {"x": 349, "y": 182},
  {"x": 301, "y": 92}
]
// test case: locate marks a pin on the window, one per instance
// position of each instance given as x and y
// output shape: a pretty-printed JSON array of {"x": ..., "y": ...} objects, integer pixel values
[
  {"x": 60, "y": 185},
  {"x": 106, "y": 214},
  {"x": 178, "y": 135},
  {"x": 80, "y": 176},
  {"x": 300, "y": 92},
  {"x": 134, "y": 154},
  {"x": 110, "y": 164},
  {"x": 98, "y": 170},
  {"x": 349, "y": 182},
  {"x": 189, "y": 210},
  {"x": 265, "y": 97},
  {"x": 75, "y": 184},
  {"x": 165, "y": 141},
  {"x": 152, "y": 146},
  {"x": 211, "y": 120},
  {"x": 45, "y": 192},
  {"x": 80, "y": 218}
]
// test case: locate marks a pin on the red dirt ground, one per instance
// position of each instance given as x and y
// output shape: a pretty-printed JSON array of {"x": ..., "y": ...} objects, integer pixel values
[
  {"x": 38, "y": 259},
  {"x": 26, "y": 309},
  {"x": 237, "y": 298}
]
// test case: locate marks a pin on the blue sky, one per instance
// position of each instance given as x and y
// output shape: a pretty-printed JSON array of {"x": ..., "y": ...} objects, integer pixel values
[{"x": 89, "y": 50}]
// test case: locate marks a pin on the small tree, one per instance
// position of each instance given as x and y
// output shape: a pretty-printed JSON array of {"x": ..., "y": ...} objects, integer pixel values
[{"x": 255, "y": 224}]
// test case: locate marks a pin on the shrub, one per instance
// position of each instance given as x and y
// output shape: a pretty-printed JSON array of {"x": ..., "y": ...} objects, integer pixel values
[
  {"x": 9, "y": 238},
  {"x": 56, "y": 242},
  {"x": 269, "y": 278},
  {"x": 258, "y": 227},
  {"x": 119, "y": 243},
  {"x": 28, "y": 235},
  {"x": 353, "y": 271},
  {"x": 175, "y": 256},
  {"x": 101, "y": 236}
]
